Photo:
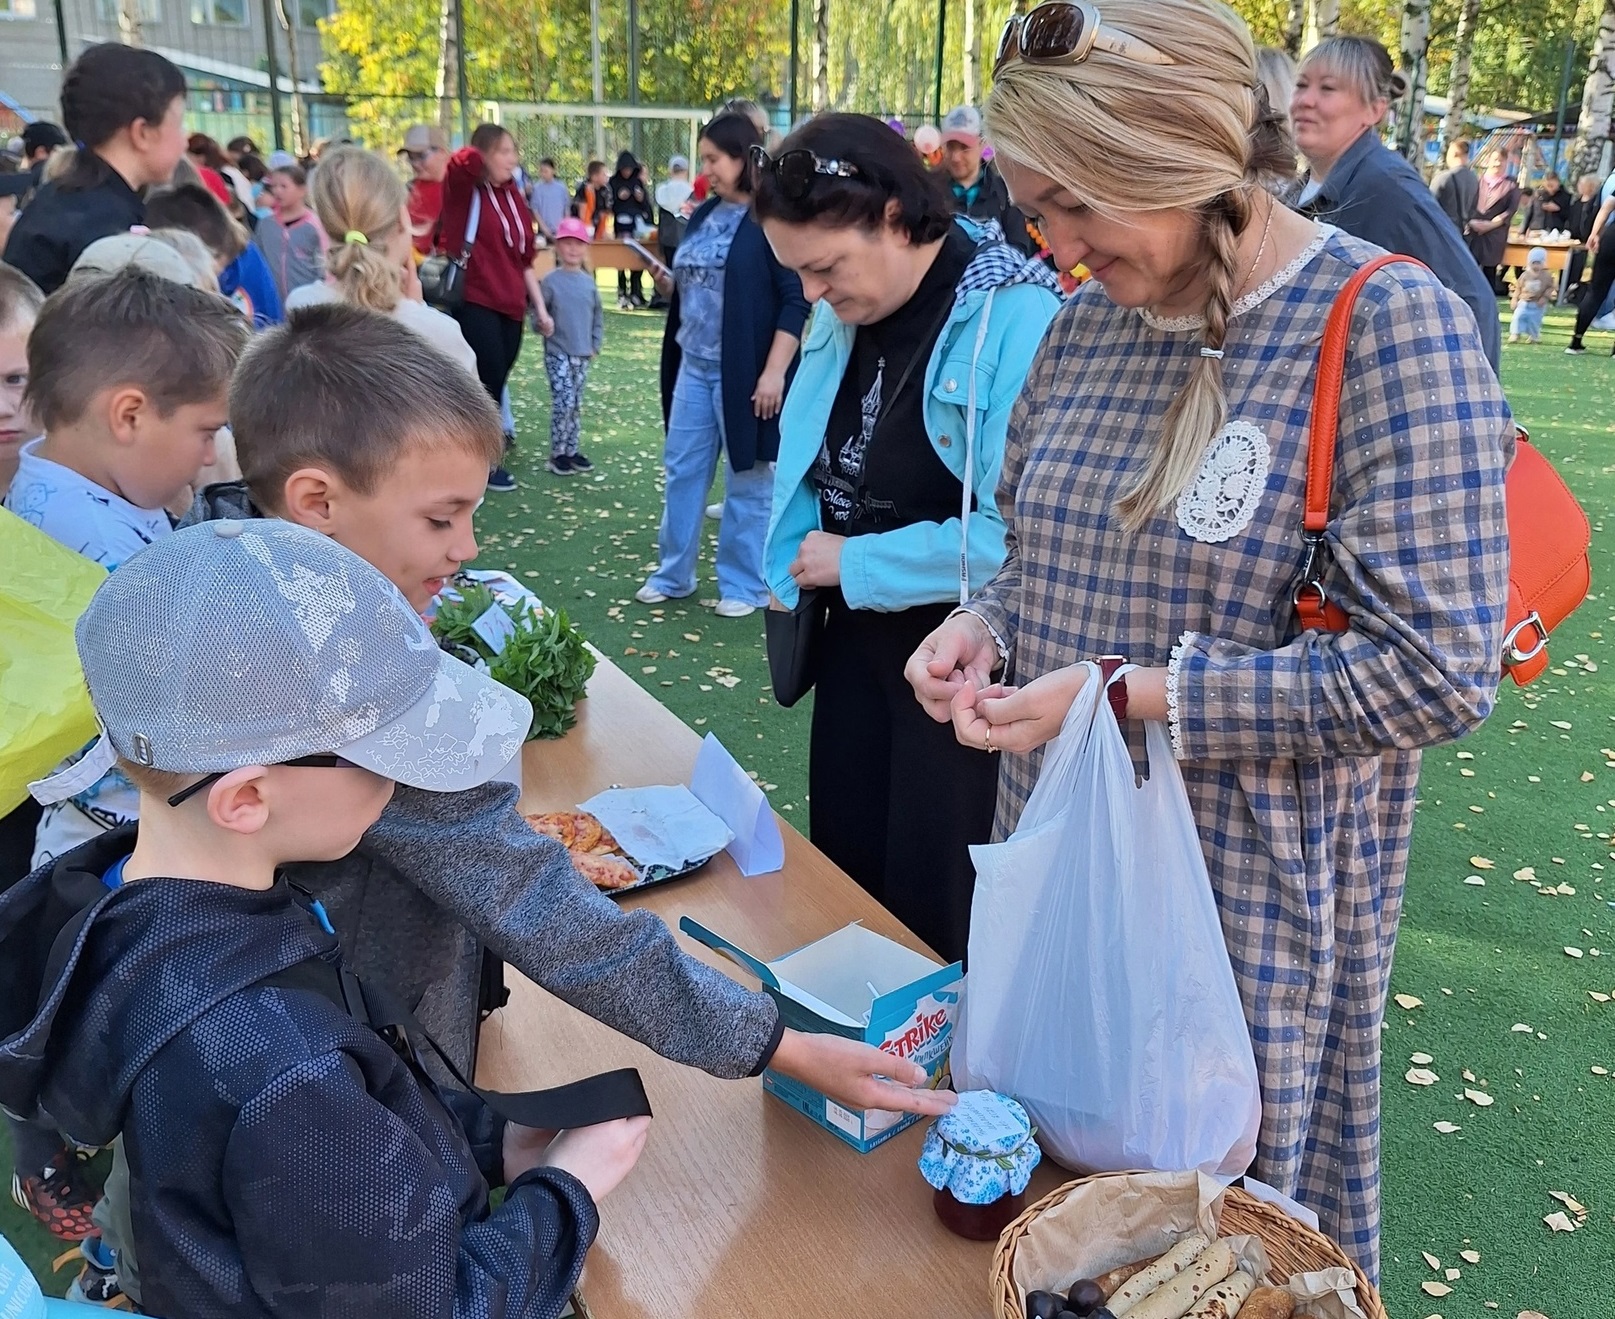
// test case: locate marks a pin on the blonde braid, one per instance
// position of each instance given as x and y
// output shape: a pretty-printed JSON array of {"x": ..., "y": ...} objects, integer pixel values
[{"x": 1198, "y": 410}]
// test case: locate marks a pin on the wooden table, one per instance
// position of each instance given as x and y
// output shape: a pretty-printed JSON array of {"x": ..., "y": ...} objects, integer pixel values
[
  {"x": 740, "y": 1208},
  {"x": 604, "y": 254}
]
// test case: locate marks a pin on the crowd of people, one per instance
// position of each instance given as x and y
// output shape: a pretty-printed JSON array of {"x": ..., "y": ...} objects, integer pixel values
[{"x": 219, "y": 380}]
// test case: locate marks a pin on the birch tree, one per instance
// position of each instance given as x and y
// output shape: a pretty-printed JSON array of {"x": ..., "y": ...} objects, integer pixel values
[
  {"x": 1463, "y": 47},
  {"x": 1295, "y": 24},
  {"x": 1597, "y": 97},
  {"x": 1415, "y": 44},
  {"x": 1325, "y": 19},
  {"x": 972, "y": 45}
]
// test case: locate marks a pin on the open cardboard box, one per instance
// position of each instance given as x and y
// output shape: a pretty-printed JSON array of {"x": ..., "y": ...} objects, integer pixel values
[{"x": 863, "y": 986}]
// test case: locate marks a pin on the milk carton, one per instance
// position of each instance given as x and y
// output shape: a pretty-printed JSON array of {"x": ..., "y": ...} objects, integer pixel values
[{"x": 863, "y": 986}]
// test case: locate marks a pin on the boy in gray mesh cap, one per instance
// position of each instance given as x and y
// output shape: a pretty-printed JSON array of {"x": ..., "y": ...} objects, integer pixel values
[{"x": 283, "y": 1159}]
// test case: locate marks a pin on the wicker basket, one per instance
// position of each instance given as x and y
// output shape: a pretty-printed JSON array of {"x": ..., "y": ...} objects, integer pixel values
[{"x": 1291, "y": 1247}]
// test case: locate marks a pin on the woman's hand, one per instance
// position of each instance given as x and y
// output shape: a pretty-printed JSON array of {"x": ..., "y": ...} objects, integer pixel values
[
  {"x": 662, "y": 282},
  {"x": 960, "y": 653},
  {"x": 818, "y": 560},
  {"x": 769, "y": 395},
  {"x": 1592, "y": 241},
  {"x": 1000, "y": 718}
]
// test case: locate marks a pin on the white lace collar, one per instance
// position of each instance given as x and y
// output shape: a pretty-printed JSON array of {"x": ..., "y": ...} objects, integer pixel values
[{"x": 1249, "y": 301}]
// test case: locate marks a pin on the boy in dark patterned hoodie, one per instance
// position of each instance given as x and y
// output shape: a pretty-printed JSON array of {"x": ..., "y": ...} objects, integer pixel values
[{"x": 284, "y": 1158}]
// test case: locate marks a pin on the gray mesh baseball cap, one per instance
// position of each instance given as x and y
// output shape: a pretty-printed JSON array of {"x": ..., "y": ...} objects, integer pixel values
[{"x": 243, "y": 643}]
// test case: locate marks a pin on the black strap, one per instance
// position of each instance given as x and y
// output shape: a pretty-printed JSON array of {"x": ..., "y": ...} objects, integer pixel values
[{"x": 585, "y": 1103}]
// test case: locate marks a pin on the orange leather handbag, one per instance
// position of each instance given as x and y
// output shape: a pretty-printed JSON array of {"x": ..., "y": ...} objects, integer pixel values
[{"x": 1549, "y": 538}]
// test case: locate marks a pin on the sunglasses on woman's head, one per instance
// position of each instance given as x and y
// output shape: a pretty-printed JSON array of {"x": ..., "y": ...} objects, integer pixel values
[
  {"x": 796, "y": 170},
  {"x": 1064, "y": 32},
  {"x": 323, "y": 761}
]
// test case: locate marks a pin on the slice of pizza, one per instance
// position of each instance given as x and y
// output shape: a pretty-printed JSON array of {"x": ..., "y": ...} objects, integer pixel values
[{"x": 605, "y": 872}]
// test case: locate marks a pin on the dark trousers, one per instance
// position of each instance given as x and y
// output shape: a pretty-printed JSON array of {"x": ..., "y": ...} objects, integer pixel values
[
  {"x": 497, "y": 342},
  {"x": 1599, "y": 285},
  {"x": 896, "y": 802},
  {"x": 631, "y": 280}
]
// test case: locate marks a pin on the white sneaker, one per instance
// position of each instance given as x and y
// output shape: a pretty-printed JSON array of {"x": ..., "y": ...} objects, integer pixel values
[
  {"x": 715, "y": 511},
  {"x": 734, "y": 609},
  {"x": 649, "y": 595}
]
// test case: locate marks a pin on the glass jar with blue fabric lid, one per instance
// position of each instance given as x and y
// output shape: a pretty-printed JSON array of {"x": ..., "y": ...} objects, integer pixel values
[{"x": 979, "y": 1159}]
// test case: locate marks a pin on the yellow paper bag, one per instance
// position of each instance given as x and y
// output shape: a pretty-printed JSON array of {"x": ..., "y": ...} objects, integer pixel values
[{"x": 45, "y": 712}]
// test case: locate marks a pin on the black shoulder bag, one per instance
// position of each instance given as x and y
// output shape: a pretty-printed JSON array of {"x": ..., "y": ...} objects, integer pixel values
[{"x": 442, "y": 276}]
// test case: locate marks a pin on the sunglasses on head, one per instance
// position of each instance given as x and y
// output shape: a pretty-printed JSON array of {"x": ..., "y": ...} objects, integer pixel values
[
  {"x": 302, "y": 762},
  {"x": 796, "y": 170},
  {"x": 1064, "y": 32}
]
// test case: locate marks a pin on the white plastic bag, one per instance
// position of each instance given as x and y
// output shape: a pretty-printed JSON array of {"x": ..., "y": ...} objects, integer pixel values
[{"x": 1100, "y": 993}]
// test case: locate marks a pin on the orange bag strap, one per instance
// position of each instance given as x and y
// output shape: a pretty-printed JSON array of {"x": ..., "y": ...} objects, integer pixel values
[{"x": 1313, "y": 607}]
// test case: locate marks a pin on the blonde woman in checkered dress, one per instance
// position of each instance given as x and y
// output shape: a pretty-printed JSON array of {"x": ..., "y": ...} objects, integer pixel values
[{"x": 1153, "y": 492}]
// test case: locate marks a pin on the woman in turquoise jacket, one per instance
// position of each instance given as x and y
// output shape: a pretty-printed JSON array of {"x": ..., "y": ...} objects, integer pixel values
[{"x": 885, "y": 491}]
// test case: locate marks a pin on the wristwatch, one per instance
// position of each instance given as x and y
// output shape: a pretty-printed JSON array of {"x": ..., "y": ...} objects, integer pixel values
[{"x": 1116, "y": 692}]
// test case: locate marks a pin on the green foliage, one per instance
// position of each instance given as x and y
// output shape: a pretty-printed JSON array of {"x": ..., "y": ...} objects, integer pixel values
[
  {"x": 546, "y": 659},
  {"x": 882, "y": 58},
  {"x": 548, "y": 663}
]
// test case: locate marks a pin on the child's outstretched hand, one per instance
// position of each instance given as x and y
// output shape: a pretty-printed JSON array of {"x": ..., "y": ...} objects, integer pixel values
[
  {"x": 851, "y": 1073},
  {"x": 600, "y": 1156}
]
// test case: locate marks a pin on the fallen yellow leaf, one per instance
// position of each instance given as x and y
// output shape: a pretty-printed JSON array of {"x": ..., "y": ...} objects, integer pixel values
[
  {"x": 1430, "y": 1259},
  {"x": 1568, "y": 1201},
  {"x": 1421, "y": 1059},
  {"x": 1525, "y": 874},
  {"x": 1559, "y": 1221},
  {"x": 1573, "y": 952},
  {"x": 1475, "y": 881},
  {"x": 1481, "y": 863},
  {"x": 1421, "y": 1076},
  {"x": 1520, "y": 1028},
  {"x": 1469, "y": 1256},
  {"x": 1447, "y": 1128},
  {"x": 1479, "y": 1098},
  {"x": 1586, "y": 776},
  {"x": 1560, "y": 723},
  {"x": 1407, "y": 1002},
  {"x": 1452, "y": 1275},
  {"x": 1436, "y": 1289}
]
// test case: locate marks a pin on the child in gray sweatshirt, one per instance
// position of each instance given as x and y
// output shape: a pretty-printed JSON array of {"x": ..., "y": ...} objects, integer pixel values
[{"x": 573, "y": 301}]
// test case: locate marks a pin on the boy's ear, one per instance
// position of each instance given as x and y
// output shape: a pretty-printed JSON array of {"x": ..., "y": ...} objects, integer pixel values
[
  {"x": 310, "y": 497},
  {"x": 236, "y": 802},
  {"x": 126, "y": 405}
]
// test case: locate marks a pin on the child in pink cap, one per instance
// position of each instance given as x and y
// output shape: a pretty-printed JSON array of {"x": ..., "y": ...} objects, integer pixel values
[{"x": 573, "y": 301}]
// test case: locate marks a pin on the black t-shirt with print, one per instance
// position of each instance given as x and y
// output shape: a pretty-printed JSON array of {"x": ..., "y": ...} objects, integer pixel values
[{"x": 877, "y": 477}]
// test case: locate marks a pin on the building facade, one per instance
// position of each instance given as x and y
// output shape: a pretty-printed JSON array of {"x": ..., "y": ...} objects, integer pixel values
[{"x": 222, "y": 46}]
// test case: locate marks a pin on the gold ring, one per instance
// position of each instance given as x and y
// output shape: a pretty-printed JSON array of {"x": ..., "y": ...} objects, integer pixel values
[{"x": 989, "y": 741}]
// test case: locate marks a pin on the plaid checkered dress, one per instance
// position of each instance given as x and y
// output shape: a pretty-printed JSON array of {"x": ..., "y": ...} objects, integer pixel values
[{"x": 1300, "y": 751}]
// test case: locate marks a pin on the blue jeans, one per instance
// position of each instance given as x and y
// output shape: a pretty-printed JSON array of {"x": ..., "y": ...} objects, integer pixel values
[
  {"x": 689, "y": 459},
  {"x": 1527, "y": 321}
]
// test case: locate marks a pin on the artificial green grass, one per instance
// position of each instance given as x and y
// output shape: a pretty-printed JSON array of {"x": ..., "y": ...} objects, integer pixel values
[{"x": 1483, "y": 959}]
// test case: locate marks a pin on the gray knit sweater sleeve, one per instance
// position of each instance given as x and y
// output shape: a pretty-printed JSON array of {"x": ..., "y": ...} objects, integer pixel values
[{"x": 516, "y": 890}]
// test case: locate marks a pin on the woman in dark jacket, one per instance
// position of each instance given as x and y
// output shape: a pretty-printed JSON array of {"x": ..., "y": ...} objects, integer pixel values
[
  {"x": 1488, "y": 227},
  {"x": 1342, "y": 93},
  {"x": 727, "y": 355},
  {"x": 630, "y": 206},
  {"x": 125, "y": 107}
]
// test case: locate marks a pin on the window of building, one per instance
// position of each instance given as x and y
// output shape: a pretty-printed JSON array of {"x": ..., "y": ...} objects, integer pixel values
[
  {"x": 18, "y": 9},
  {"x": 310, "y": 12},
  {"x": 220, "y": 13}
]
